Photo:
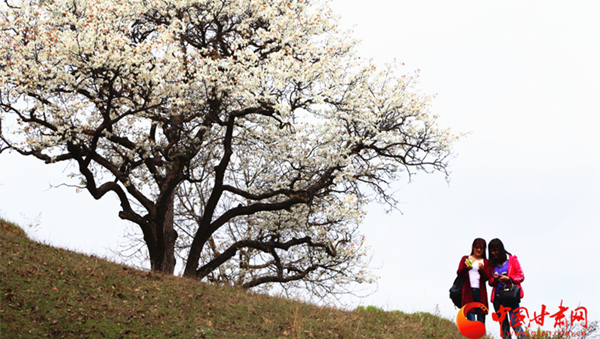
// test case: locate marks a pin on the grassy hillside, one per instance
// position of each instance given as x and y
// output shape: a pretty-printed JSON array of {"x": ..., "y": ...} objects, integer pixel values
[{"x": 53, "y": 293}]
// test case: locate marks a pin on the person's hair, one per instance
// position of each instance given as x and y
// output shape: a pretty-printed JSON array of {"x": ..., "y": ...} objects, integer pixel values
[
  {"x": 480, "y": 242},
  {"x": 497, "y": 244}
]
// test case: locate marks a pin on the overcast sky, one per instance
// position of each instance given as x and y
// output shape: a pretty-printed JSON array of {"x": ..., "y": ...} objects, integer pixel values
[{"x": 522, "y": 77}]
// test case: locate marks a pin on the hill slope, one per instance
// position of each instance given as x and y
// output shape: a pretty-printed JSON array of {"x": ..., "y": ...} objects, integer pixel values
[{"x": 54, "y": 293}]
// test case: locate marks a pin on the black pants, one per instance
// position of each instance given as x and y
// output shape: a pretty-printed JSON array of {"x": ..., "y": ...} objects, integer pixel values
[{"x": 510, "y": 319}]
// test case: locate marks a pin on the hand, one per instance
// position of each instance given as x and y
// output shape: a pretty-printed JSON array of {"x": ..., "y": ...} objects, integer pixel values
[
  {"x": 480, "y": 265},
  {"x": 468, "y": 262},
  {"x": 503, "y": 278}
]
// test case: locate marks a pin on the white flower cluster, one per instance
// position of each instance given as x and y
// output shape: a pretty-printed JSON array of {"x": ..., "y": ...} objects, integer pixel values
[{"x": 156, "y": 94}]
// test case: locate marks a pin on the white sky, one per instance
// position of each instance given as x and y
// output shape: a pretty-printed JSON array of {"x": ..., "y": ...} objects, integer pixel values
[{"x": 523, "y": 77}]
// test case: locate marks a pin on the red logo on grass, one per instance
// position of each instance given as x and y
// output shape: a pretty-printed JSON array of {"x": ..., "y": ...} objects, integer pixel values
[{"x": 468, "y": 328}]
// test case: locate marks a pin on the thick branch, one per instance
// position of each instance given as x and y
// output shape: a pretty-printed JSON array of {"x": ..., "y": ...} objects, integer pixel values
[
  {"x": 280, "y": 279},
  {"x": 259, "y": 245}
]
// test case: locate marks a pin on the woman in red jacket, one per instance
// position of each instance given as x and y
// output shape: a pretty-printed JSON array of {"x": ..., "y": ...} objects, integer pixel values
[
  {"x": 505, "y": 270},
  {"x": 476, "y": 271}
]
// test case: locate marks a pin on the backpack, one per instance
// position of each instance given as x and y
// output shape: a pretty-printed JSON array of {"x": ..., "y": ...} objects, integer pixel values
[{"x": 455, "y": 291}]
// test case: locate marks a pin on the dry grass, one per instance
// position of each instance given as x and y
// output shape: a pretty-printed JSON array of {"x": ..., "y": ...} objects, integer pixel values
[{"x": 53, "y": 293}]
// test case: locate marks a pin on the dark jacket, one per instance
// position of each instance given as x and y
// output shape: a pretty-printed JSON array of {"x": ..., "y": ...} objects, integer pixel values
[{"x": 484, "y": 275}]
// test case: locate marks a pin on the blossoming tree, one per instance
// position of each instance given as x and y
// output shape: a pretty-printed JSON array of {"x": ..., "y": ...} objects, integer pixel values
[{"x": 245, "y": 134}]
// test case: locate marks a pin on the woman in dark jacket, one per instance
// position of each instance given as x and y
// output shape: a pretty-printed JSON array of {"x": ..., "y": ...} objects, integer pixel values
[{"x": 476, "y": 270}]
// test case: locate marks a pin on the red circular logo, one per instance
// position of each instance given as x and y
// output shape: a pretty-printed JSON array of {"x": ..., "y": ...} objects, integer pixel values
[{"x": 468, "y": 328}]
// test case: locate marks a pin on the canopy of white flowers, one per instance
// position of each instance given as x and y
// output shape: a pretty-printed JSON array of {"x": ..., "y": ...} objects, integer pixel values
[{"x": 243, "y": 135}]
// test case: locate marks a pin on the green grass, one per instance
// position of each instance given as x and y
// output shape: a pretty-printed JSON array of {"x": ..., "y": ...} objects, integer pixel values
[{"x": 48, "y": 292}]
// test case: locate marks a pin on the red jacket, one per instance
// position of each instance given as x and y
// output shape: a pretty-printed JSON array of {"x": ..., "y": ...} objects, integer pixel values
[
  {"x": 515, "y": 272},
  {"x": 484, "y": 275}
]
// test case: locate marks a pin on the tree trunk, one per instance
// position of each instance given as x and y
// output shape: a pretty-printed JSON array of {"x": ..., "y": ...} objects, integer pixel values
[
  {"x": 194, "y": 255},
  {"x": 162, "y": 255}
]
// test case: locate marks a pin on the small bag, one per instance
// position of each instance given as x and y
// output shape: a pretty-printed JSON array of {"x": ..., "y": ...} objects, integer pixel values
[
  {"x": 510, "y": 293},
  {"x": 455, "y": 291}
]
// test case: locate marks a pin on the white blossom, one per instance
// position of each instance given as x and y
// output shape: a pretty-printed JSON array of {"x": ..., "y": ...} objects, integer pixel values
[{"x": 152, "y": 97}]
